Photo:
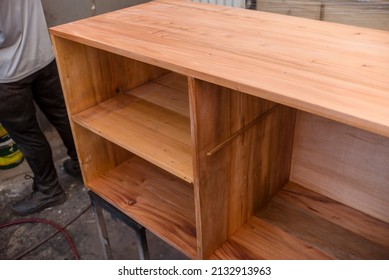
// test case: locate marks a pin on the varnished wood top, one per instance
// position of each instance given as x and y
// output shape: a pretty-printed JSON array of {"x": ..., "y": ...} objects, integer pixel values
[{"x": 336, "y": 71}]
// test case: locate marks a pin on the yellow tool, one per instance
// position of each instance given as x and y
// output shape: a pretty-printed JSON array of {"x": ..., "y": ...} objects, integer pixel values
[{"x": 10, "y": 156}]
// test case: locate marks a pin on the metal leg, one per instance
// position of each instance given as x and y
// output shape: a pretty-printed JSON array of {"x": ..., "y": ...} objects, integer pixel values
[
  {"x": 140, "y": 232},
  {"x": 141, "y": 242},
  {"x": 102, "y": 230},
  {"x": 251, "y": 4}
]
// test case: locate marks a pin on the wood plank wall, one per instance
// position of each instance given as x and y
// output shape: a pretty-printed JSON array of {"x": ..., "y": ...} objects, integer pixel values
[{"x": 372, "y": 13}]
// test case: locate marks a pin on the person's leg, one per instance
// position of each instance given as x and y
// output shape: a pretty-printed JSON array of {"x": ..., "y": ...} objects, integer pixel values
[
  {"x": 47, "y": 92},
  {"x": 17, "y": 115}
]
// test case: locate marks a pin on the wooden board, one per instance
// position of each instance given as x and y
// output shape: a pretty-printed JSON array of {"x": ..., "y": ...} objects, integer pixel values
[
  {"x": 219, "y": 182},
  {"x": 147, "y": 122},
  {"x": 356, "y": 222},
  {"x": 258, "y": 239},
  {"x": 333, "y": 70},
  {"x": 344, "y": 163},
  {"x": 155, "y": 199},
  {"x": 300, "y": 224},
  {"x": 326, "y": 225},
  {"x": 239, "y": 177}
]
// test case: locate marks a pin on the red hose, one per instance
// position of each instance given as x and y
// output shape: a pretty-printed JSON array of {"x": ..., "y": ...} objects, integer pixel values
[{"x": 58, "y": 227}]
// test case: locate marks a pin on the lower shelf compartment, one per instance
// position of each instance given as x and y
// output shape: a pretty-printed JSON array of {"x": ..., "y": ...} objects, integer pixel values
[
  {"x": 157, "y": 200},
  {"x": 300, "y": 224}
]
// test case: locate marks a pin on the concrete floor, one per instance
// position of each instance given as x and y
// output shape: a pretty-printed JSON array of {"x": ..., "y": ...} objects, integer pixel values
[{"x": 17, "y": 239}]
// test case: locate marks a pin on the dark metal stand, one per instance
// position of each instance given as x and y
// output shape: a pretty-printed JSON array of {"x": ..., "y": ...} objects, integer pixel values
[
  {"x": 251, "y": 4},
  {"x": 98, "y": 205}
]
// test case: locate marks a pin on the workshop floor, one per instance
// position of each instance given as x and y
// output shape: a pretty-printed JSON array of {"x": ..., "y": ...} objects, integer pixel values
[{"x": 17, "y": 240}]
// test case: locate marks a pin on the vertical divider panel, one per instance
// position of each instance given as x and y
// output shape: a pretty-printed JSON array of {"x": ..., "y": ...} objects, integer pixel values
[
  {"x": 226, "y": 182},
  {"x": 90, "y": 76},
  {"x": 276, "y": 148}
]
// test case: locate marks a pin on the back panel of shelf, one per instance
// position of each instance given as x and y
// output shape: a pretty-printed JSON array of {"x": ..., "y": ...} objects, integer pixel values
[{"x": 344, "y": 163}]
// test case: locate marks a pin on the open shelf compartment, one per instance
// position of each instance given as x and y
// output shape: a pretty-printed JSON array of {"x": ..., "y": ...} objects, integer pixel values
[
  {"x": 300, "y": 224},
  {"x": 324, "y": 209},
  {"x": 151, "y": 121},
  {"x": 154, "y": 198}
]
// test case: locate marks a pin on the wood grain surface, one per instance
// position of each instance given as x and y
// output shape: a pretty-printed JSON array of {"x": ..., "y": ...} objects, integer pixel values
[
  {"x": 344, "y": 163},
  {"x": 148, "y": 122},
  {"x": 337, "y": 71},
  {"x": 184, "y": 117},
  {"x": 155, "y": 199},
  {"x": 300, "y": 224}
]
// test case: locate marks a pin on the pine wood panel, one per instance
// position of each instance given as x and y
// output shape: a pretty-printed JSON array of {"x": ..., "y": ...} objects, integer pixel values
[
  {"x": 234, "y": 181},
  {"x": 329, "y": 69},
  {"x": 276, "y": 146},
  {"x": 300, "y": 224},
  {"x": 219, "y": 180},
  {"x": 339, "y": 214},
  {"x": 147, "y": 122},
  {"x": 96, "y": 154},
  {"x": 157, "y": 200},
  {"x": 258, "y": 239},
  {"x": 333, "y": 228},
  {"x": 344, "y": 163}
]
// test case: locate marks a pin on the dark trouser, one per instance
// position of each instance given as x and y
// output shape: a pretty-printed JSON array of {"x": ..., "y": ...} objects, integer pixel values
[{"x": 18, "y": 116}]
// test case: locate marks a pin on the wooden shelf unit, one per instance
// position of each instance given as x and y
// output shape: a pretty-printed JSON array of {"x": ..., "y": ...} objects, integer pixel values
[{"x": 234, "y": 134}]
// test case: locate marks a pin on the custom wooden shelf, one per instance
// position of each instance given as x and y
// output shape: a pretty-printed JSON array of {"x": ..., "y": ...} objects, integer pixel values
[
  {"x": 234, "y": 134},
  {"x": 300, "y": 224},
  {"x": 151, "y": 121},
  {"x": 154, "y": 198}
]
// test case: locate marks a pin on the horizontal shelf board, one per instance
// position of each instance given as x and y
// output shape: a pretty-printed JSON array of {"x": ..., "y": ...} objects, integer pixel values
[
  {"x": 154, "y": 198},
  {"x": 333, "y": 70},
  {"x": 258, "y": 239},
  {"x": 152, "y": 121},
  {"x": 300, "y": 224},
  {"x": 334, "y": 228}
]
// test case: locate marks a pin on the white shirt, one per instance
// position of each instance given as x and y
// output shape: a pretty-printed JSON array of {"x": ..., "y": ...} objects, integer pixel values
[{"x": 25, "y": 45}]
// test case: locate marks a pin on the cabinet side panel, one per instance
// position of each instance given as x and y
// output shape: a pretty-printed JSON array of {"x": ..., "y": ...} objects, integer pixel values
[
  {"x": 228, "y": 181},
  {"x": 344, "y": 163}
]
